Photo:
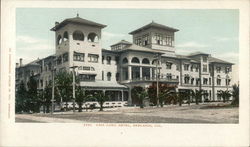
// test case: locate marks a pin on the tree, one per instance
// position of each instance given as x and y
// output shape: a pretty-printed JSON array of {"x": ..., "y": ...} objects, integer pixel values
[
  {"x": 164, "y": 95},
  {"x": 33, "y": 102},
  {"x": 81, "y": 97},
  {"x": 20, "y": 98},
  {"x": 63, "y": 81},
  {"x": 142, "y": 95},
  {"x": 165, "y": 91},
  {"x": 224, "y": 94},
  {"x": 235, "y": 94},
  {"x": 100, "y": 97},
  {"x": 47, "y": 96},
  {"x": 197, "y": 94},
  {"x": 134, "y": 95}
]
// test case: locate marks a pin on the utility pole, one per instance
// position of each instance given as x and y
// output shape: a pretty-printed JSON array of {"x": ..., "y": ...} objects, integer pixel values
[
  {"x": 157, "y": 79},
  {"x": 53, "y": 92},
  {"x": 74, "y": 84}
]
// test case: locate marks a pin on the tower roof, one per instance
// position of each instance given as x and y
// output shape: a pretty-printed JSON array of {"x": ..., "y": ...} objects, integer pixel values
[
  {"x": 77, "y": 20},
  {"x": 154, "y": 25}
]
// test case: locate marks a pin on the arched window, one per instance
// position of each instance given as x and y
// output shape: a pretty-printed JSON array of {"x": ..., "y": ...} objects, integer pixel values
[
  {"x": 135, "y": 60},
  {"x": 59, "y": 40},
  {"x": 92, "y": 37},
  {"x": 154, "y": 62},
  {"x": 78, "y": 35},
  {"x": 108, "y": 60},
  {"x": 124, "y": 61},
  {"x": 109, "y": 76},
  {"x": 65, "y": 36},
  {"x": 145, "y": 61}
]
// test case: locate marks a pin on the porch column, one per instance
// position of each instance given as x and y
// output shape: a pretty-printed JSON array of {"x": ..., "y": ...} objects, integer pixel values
[
  {"x": 151, "y": 73},
  {"x": 122, "y": 95},
  {"x": 129, "y": 73},
  {"x": 140, "y": 73},
  {"x": 129, "y": 97}
]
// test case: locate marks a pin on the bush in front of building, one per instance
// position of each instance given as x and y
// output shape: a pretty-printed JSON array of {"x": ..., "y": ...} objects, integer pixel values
[{"x": 235, "y": 94}]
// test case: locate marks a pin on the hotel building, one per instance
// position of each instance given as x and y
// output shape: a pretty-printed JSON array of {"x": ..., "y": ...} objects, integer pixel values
[{"x": 127, "y": 64}]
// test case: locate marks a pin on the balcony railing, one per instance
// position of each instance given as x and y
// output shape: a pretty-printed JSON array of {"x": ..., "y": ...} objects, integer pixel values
[{"x": 147, "y": 79}]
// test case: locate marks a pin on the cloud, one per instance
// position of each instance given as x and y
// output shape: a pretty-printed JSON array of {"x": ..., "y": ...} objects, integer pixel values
[
  {"x": 228, "y": 56},
  {"x": 111, "y": 35},
  {"x": 28, "y": 39},
  {"x": 225, "y": 39},
  {"x": 191, "y": 44},
  {"x": 30, "y": 48}
]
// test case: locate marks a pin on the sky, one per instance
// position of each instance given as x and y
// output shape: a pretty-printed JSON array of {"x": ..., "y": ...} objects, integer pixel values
[{"x": 213, "y": 31}]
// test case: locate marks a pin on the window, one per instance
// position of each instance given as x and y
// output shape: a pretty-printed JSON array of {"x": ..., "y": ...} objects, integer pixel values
[
  {"x": 59, "y": 40},
  {"x": 86, "y": 77},
  {"x": 78, "y": 35},
  {"x": 145, "y": 39},
  {"x": 135, "y": 60},
  {"x": 197, "y": 68},
  {"x": 169, "y": 76},
  {"x": 92, "y": 37},
  {"x": 159, "y": 39},
  {"x": 65, "y": 57},
  {"x": 117, "y": 76},
  {"x": 186, "y": 66},
  {"x": 205, "y": 81},
  {"x": 168, "y": 65},
  {"x": 124, "y": 61},
  {"x": 218, "y": 80},
  {"x": 186, "y": 79},
  {"x": 228, "y": 82},
  {"x": 102, "y": 59},
  {"x": 65, "y": 36},
  {"x": 192, "y": 81},
  {"x": 169, "y": 40},
  {"x": 93, "y": 58},
  {"x": 209, "y": 81},
  {"x": 109, "y": 76},
  {"x": 59, "y": 60},
  {"x": 197, "y": 81},
  {"x": 192, "y": 66},
  {"x": 218, "y": 69},
  {"x": 204, "y": 68},
  {"x": 108, "y": 60},
  {"x": 145, "y": 61},
  {"x": 227, "y": 69},
  {"x": 78, "y": 56},
  {"x": 204, "y": 59},
  {"x": 138, "y": 41}
]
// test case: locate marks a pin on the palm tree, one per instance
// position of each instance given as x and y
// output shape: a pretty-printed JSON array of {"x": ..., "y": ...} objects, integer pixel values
[
  {"x": 235, "y": 94},
  {"x": 197, "y": 95},
  {"x": 164, "y": 95},
  {"x": 100, "y": 97},
  {"x": 142, "y": 96},
  {"x": 224, "y": 94},
  {"x": 81, "y": 97}
]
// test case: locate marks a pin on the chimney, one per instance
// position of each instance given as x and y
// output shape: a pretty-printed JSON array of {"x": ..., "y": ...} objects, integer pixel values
[
  {"x": 21, "y": 62},
  {"x": 56, "y": 23},
  {"x": 17, "y": 65}
]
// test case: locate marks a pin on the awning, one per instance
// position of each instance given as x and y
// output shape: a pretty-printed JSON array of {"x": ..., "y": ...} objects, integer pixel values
[{"x": 103, "y": 85}]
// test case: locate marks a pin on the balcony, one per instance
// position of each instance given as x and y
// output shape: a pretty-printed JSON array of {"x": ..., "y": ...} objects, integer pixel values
[{"x": 147, "y": 79}]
